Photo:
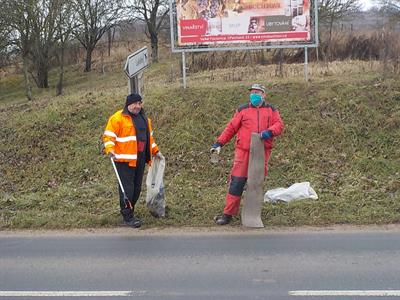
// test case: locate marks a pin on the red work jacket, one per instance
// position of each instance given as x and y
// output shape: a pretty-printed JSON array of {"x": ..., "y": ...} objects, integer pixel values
[{"x": 248, "y": 119}]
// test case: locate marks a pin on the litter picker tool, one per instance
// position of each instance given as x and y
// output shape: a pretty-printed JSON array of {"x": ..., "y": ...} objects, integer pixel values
[{"x": 126, "y": 200}]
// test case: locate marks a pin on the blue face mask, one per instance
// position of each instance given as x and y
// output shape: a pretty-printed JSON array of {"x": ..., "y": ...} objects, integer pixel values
[{"x": 255, "y": 99}]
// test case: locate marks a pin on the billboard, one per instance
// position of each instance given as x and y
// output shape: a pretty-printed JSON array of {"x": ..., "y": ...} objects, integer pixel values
[{"x": 221, "y": 22}]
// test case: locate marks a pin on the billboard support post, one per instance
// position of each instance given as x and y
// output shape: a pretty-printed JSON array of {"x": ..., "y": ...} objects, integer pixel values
[
  {"x": 184, "y": 69},
  {"x": 306, "y": 63}
]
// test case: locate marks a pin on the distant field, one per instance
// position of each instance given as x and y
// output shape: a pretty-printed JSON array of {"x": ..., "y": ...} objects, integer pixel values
[{"x": 342, "y": 134}]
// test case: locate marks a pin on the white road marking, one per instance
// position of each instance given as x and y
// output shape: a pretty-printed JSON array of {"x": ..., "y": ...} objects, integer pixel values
[
  {"x": 366, "y": 293},
  {"x": 71, "y": 293}
]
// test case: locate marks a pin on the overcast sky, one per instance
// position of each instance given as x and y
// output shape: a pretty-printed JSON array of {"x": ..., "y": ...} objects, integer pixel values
[{"x": 367, "y": 3}]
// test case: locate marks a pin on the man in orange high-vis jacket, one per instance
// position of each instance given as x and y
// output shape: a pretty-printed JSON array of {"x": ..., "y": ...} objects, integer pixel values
[
  {"x": 256, "y": 116},
  {"x": 128, "y": 140}
]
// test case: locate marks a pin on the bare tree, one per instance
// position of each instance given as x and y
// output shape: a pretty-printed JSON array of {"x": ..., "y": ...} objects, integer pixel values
[
  {"x": 5, "y": 33},
  {"x": 33, "y": 31},
  {"x": 17, "y": 15},
  {"x": 95, "y": 18},
  {"x": 65, "y": 25},
  {"x": 45, "y": 15},
  {"x": 332, "y": 11},
  {"x": 391, "y": 8},
  {"x": 153, "y": 13}
]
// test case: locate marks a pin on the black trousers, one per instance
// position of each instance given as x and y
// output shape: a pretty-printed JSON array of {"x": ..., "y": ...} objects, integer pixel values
[{"x": 131, "y": 179}]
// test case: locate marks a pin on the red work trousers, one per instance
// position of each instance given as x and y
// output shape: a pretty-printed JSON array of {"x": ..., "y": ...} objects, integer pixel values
[{"x": 238, "y": 178}]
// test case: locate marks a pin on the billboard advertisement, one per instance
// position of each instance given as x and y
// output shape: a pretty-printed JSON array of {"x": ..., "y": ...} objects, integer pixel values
[{"x": 213, "y": 22}]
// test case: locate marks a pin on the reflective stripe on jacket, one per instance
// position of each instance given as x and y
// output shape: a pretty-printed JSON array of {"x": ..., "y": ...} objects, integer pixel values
[
  {"x": 120, "y": 137},
  {"x": 248, "y": 119}
]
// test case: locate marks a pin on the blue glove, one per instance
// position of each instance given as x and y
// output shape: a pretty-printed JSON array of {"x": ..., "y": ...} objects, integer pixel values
[
  {"x": 266, "y": 134},
  {"x": 216, "y": 145}
]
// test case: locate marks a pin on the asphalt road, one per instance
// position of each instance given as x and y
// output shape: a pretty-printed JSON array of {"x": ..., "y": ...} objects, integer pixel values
[{"x": 245, "y": 265}]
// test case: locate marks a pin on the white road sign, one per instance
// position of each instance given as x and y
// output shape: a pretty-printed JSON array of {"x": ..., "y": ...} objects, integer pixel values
[{"x": 136, "y": 62}]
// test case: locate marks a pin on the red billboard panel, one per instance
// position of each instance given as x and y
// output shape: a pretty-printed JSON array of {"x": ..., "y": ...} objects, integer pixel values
[{"x": 206, "y": 22}]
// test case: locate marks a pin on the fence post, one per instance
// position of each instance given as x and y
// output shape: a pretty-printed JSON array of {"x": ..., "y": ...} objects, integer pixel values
[{"x": 306, "y": 63}]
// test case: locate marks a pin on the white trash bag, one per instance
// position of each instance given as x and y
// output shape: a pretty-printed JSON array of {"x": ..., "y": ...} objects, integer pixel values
[
  {"x": 296, "y": 191},
  {"x": 155, "y": 198}
]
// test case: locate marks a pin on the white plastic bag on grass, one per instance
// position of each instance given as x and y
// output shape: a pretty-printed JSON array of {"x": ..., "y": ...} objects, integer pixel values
[
  {"x": 297, "y": 191},
  {"x": 155, "y": 198}
]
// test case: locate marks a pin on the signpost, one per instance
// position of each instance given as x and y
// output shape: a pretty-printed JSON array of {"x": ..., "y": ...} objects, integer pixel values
[{"x": 134, "y": 66}]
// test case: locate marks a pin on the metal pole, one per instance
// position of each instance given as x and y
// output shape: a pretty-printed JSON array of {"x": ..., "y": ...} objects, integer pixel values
[
  {"x": 184, "y": 69},
  {"x": 171, "y": 24},
  {"x": 140, "y": 84},
  {"x": 306, "y": 62},
  {"x": 133, "y": 86},
  {"x": 316, "y": 23}
]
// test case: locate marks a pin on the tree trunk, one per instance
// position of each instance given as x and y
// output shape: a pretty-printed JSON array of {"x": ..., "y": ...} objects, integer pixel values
[
  {"x": 329, "y": 54},
  {"x": 154, "y": 48},
  {"x": 263, "y": 58},
  {"x": 88, "y": 63},
  {"x": 280, "y": 62},
  {"x": 279, "y": 66},
  {"x": 109, "y": 36},
  {"x": 28, "y": 89},
  {"x": 42, "y": 74},
  {"x": 102, "y": 65},
  {"x": 385, "y": 51},
  {"x": 59, "y": 86}
]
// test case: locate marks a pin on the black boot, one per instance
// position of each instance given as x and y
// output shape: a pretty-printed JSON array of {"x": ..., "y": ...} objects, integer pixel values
[
  {"x": 129, "y": 218},
  {"x": 223, "y": 220}
]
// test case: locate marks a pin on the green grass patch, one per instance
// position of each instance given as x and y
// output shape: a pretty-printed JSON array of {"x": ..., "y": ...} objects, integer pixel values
[{"x": 342, "y": 134}]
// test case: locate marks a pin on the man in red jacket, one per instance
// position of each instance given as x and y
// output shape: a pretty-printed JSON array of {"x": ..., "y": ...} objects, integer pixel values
[{"x": 254, "y": 116}]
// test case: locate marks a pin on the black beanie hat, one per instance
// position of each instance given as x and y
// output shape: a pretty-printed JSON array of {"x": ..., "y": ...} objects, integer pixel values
[{"x": 132, "y": 98}]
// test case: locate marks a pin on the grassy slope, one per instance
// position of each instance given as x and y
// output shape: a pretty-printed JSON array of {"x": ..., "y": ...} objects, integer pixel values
[{"x": 342, "y": 135}]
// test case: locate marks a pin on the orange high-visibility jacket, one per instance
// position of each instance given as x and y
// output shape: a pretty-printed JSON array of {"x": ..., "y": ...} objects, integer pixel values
[{"x": 120, "y": 136}]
